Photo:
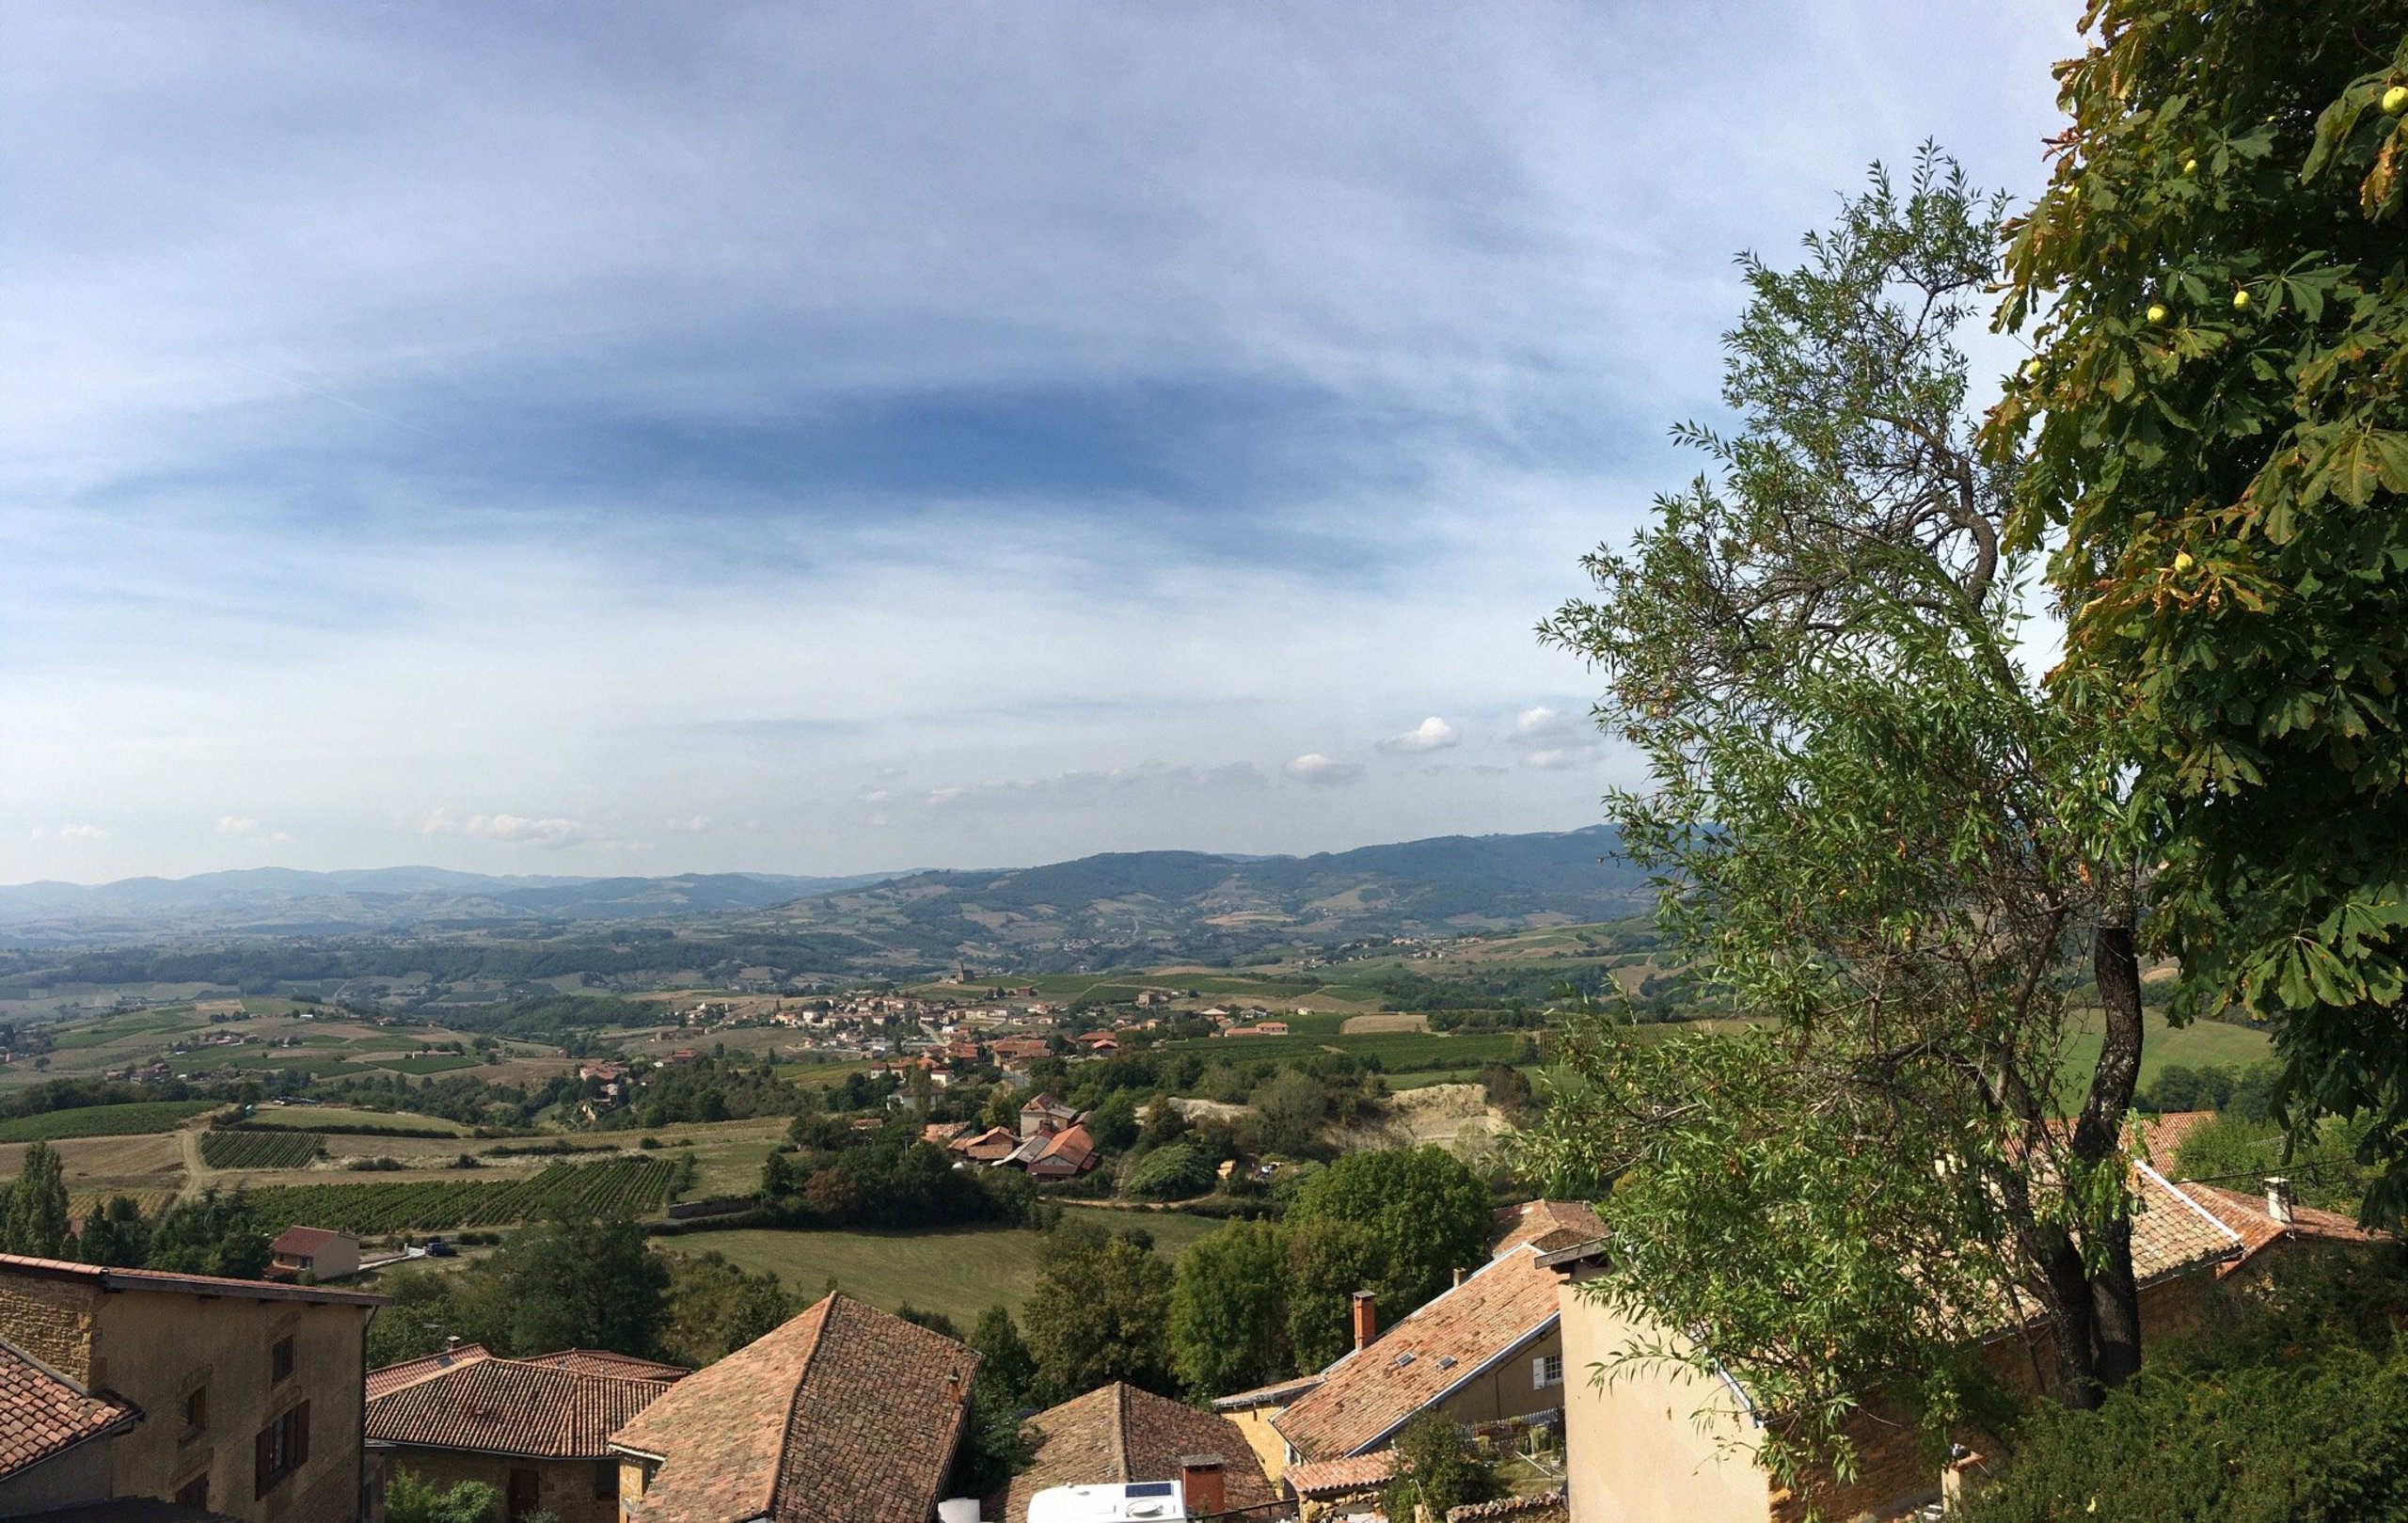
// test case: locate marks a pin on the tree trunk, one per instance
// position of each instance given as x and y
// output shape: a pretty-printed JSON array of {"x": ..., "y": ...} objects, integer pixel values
[{"x": 2112, "y": 1302}]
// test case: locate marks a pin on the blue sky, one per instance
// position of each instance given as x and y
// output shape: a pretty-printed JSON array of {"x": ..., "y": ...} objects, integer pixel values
[{"x": 818, "y": 438}]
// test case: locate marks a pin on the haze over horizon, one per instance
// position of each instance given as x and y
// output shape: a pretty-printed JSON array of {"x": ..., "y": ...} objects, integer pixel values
[{"x": 601, "y": 439}]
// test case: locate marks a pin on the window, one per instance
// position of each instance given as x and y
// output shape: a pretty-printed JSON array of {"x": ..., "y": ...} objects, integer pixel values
[
  {"x": 280, "y": 1360},
  {"x": 281, "y": 1448},
  {"x": 1546, "y": 1369},
  {"x": 196, "y": 1411},
  {"x": 195, "y": 1493}
]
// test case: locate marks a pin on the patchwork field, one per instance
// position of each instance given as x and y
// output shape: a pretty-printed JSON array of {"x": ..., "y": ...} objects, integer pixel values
[
  {"x": 960, "y": 1272},
  {"x": 104, "y": 1121}
]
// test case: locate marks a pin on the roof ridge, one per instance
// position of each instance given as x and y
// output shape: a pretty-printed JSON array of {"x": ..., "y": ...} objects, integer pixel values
[
  {"x": 829, "y": 1303},
  {"x": 2184, "y": 1196}
]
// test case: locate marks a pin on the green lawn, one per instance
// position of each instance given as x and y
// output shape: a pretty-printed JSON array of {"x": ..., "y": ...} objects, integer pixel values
[
  {"x": 2200, "y": 1044},
  {"x": 960, "y": 1272}
]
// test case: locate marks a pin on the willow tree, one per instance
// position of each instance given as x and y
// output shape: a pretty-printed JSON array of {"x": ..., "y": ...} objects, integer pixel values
[
  {"x": 1873, "y": 832},
  {"x": 2217, "y": 414}
]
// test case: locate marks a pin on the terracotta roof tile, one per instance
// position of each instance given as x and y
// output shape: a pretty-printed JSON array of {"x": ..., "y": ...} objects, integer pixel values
[
  {"x": 154, "y": 1279},
  {"x": 2172, "y": 1233},
  {"x": 1347, "y": 1475},
  {"x": 843, "y": 1414},
  {"x": 393, "y": 1377},
  {"x": 595, "y": 1361},
  {"x": 1540, "y": 1507},
  {"x": 1552, "y": 1224},
  {"x": 43, "y": 1413},
  {"x": 512, "y": 1406},
  {"x": 306, "y": 1242},
  {"x": 2155, "y": 1140},
  {"x": 1367, "y": 1396},
  {"x": 1118, "y": 1433},
  {"x": 2247, "y": 1217}
]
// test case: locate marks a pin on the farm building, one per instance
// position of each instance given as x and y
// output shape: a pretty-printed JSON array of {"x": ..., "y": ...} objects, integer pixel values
[{"x": 314, "y": 1251}]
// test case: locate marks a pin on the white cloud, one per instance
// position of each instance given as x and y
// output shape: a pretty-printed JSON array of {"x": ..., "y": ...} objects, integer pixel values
[
  {"x": 1322, "y": 771},
  {"x": 1563, "y": 759},
  {"x": 1432, "y": 734},
  {"x": 67, "y": 833},
  {"x": 519, "y": 830},
  {"x": 1544, "y": 723},
  {"x": 237, "y": 825},
  {"x": 689, "y": 825}
]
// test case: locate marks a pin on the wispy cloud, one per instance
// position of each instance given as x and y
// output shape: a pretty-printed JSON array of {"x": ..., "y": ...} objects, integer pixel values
[{"x": 769, "y": 399}]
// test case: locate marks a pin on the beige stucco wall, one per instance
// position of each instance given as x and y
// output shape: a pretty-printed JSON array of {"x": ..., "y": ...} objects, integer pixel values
[
  {"x": 153, "y": 1348},
  {"x": 1505, "y": 1390},
  {"x": 1650, "y": 1442},
  {"x": 1261, "y": 1437}
]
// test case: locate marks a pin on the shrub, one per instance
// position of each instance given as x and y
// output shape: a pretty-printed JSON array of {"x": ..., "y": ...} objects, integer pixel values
[{"x": 1169, "y": 1173}]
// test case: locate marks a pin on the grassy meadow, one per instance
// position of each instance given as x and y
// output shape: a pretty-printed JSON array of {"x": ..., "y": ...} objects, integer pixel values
[{"x": 957, "y": 1271}]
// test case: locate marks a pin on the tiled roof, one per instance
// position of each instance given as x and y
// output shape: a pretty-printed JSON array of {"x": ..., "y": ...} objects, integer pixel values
[
  {"x": 512, "y": 1406},
  {"x": 1551, "y": 1224},
  {"x": 42, "y": 1413},
  {"x": 1318, "y": 1479},
  {"x": 1071, "y": 1149},
  {"x": 1118, "y": 1433},
  {"x": 2247, "y": 1217},
  {"x": 307, "y": 1242},
  {"x": 1367, "y": 1396},
  {"x": 597, "y": 1361},
  {"x": 2155, "y": 1140},
  {"x": 843, "y": 1414},
  {"x": 1538, "y": 1507},
  {"x": 154, "y": 1279},
  {"x": 427, "y": 1366},
  {"x": 1279, "y": 1394},
  {"x": 2172, "y": 1233}
]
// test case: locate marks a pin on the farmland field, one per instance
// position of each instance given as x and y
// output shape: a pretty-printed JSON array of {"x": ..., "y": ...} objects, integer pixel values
[
  {"x": 632, "y": 1186},
  {"x": 104, "y": 1121},
  {"x": 338, "y": 1117},
  {"x": 959, "y": 1271},
  {"x": 260, "y": 1150},
  {"x": 1397, "y": 1051}
]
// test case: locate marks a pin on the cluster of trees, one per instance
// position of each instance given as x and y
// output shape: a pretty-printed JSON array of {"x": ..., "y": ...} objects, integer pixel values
[
  {"x": 581, "y": 1282},
  {"x": 212, "y": 1233},
  {"x": 838, "y": 1176},
  {"x": 1875, "y": 822},
  {"x": 1249, "y": 1302}
]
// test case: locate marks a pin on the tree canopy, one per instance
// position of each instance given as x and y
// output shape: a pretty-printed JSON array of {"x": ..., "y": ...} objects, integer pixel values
[{"x": 2216, "y": 285}]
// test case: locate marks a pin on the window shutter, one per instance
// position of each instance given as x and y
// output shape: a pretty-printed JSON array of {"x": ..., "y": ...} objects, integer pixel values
[
  {"x": 1538, "y": 1374},
  {"x": 300, "y": 1435},
  {"x": 263, "y": 1462}
]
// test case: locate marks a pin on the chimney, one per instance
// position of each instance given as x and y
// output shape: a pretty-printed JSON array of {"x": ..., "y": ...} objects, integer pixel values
[
  {"x": 450, "y": 1342},
  {"x": 1460, "y": 1272},
  {"x": 2278, "y": 1200},
  {"x": 1366, "y": 1320},
  {"x": 1199, "y": 1485}
]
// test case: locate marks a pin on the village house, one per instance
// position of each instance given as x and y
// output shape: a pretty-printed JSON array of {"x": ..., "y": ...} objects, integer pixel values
[
  {"x": 537, "y": 1430},
  {"x": 229, "y": 1396},
  {"x": 1659, "y": 1441},
  {"x": 1009, "y": 1050},
  {"x": 992, "y": 1146},
  {"x": 315, "y": 1252},
  {"x": 1044, "y": 1112},
  {"x": 1066, "y": 1155},
  {"x": 846, "y": 1414},
  {"x": 1488, "y": 1352},
  {"x": 1116, "y": 1434}
]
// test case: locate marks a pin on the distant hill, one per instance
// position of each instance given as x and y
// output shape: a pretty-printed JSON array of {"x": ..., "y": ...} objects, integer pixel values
[
  {"x": 1120, "y": 905},
  {"x": 1119, "y": 908},
  {"x": 282, "y": 900}
]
